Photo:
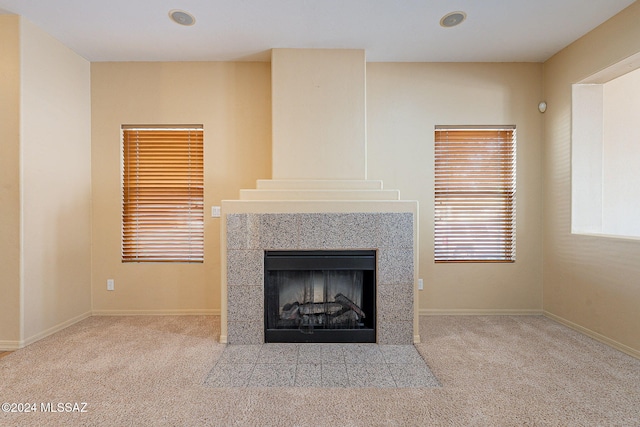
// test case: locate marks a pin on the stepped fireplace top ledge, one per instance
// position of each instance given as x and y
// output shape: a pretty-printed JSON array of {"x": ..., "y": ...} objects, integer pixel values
[
  {"x": 320, "y": 194},
  {"x": 304, "y": 196},
  {"x": 323, "y": 189},
  {"x": 318, "y": 184},
  {"x": 318, "y": 206}
]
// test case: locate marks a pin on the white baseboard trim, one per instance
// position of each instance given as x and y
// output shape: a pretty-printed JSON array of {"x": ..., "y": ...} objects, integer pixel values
[
  {"x": 178, "y": 312},
  {"x": 478, "y": 312},
  {"x": 54, "y": 329},
  {"x": 595, "y": 335},
  {"x": 9, "y": 345}
]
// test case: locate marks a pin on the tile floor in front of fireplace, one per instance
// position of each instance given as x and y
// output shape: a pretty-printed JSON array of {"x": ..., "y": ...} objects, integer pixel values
[{"x": 321, "y": 365}]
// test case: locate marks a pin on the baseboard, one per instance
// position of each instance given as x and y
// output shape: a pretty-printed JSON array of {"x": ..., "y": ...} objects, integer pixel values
[
  {"x": 178, "y": 312},
  {"x": 595, "y": 335},
  {"x": 54, "y": 329},
  {"x": 9, "y": 345},
  {"x": 478, "y": 312}
]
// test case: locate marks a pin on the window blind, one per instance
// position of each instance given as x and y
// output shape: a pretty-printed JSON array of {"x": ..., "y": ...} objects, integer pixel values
[
  {"x": 475, "y": 189},
  {"x": 163, "y": 194}
]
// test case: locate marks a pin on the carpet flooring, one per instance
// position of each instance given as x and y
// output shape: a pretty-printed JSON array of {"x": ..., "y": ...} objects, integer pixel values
[{"x": 153, "y": 371}]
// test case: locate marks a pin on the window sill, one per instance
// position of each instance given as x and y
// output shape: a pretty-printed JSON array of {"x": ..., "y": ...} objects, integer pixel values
[{"x": 607, "y": 236}]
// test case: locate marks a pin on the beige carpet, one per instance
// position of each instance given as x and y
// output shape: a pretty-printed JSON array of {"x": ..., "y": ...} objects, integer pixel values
[{"x": 494, "y": 371}]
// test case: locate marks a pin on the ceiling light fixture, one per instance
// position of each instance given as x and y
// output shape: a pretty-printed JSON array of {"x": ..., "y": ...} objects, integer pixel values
[
  {"x": 452, "y": 19},
  {"x": 181, "y": 17}
]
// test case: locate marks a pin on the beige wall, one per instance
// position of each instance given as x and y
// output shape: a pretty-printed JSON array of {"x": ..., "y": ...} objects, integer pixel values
[
  {"x": 56, "y": 176},
  {"x": 233, "y": 102},
  {"x": 9, "y": 181},
  {"x": 44, "y": 184},
  {"x": 318, "y": 114},
  {"x": 404, "y": 103},
  {"x": 591, "y": 283}
]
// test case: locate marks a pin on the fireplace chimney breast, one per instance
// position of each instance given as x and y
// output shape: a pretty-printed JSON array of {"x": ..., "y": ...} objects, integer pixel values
[
  {"x": 318, "y": 114},
  {"x": 318, "y": 198}
]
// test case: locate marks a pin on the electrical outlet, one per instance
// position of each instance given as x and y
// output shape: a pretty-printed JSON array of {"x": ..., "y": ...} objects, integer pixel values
[
  {"x": 420, "y": 284},
  {"x": 110, "y": 284}
]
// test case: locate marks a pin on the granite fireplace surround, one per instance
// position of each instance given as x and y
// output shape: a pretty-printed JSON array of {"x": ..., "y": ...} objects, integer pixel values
[{"x": 391, "y": 234}]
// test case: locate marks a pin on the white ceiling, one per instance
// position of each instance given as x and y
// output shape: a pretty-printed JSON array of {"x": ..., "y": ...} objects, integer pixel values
[{"x": 388, "y": 30}]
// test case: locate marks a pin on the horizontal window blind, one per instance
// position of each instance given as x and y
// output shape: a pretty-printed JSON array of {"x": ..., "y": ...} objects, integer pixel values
[
  {"x": 163, "y": 194},
  {"x": 475, "y": 188}
]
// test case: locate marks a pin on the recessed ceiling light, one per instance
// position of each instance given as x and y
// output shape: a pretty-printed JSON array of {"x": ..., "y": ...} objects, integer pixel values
[
  {"x": 181, "y": 17},
  {"x": 452, "y": 19}
]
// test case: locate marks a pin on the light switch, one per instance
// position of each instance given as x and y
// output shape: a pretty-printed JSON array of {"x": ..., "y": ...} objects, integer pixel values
[
  {"x": 215, "y": 211},
  {"x": 420, "y": 284}
]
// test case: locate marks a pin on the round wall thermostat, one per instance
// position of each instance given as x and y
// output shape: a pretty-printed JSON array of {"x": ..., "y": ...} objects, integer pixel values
[{"x": 542, "y": 107}]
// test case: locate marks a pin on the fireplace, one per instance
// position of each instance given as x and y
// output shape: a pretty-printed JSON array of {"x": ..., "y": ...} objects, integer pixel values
[
  {"x": 389, "y": 235},
  {"x": 319, "y": 198},
  {"x": 320, "y": 296}
]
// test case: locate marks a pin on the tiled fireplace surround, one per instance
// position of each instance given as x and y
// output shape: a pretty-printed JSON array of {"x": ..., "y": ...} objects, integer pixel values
[{"x": 391, "y": 234}]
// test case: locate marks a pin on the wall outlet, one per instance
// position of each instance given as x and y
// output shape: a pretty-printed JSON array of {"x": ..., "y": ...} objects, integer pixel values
[
  {"x": 420, "y": 284},
  {"x": 110, "y": 284}
]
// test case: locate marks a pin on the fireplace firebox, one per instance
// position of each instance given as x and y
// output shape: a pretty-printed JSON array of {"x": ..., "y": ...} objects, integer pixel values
[{"x": 320, "y": 296}]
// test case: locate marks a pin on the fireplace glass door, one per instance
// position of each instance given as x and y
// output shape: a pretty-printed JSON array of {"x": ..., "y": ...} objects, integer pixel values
[{"x": 320, "y": 296}]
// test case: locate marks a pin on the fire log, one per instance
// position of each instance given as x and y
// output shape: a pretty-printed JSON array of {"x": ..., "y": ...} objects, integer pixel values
[
  {"x": 320, "y": 308},
  {"x": 348, "y": 304},
  {"x": 346, "y": 318},
  {"x": 290, "y": 311}
]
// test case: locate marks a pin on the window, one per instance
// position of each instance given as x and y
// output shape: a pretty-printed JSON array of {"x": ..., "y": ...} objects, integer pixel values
[
  {"x": 475, "y": 189},
  {"x": 605, "y": 152},
  {"x": 163, "y": 194}
]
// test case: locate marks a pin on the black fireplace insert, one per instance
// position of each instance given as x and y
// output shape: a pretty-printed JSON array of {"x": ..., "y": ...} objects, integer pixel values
[{"x": 320, "y": 296}]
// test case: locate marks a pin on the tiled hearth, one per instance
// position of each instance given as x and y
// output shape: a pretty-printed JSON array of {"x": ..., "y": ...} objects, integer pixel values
[
  {"x": 321, "y": 365},
  {"x": 389, "y": 233}
]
